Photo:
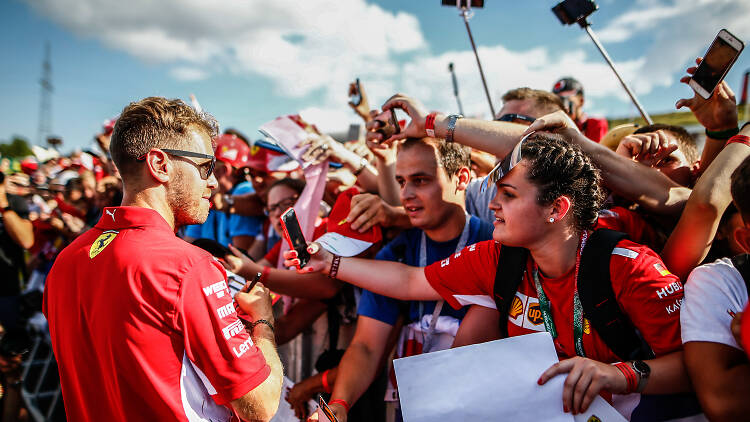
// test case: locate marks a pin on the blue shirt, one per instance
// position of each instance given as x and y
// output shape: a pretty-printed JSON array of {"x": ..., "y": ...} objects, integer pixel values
[
  {"x": 405, "y": 248},
  {"x": 222, "y": 227}
]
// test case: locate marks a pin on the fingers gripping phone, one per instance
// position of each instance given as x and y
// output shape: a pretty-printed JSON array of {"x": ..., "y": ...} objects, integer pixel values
[
  {"x": 716, "y": 63},
  {"x": 326, "y": 410},
  {"x": 294, "y": 237},
  {"x": 388, "y": 123},
  {"x": 356, "y": 97}
]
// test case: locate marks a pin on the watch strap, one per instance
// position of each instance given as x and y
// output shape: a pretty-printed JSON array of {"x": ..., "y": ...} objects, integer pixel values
[{"x": 452, "y": 126}]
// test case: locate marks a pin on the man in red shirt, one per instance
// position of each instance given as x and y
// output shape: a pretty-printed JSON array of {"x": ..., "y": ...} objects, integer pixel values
[
  {"x": 570, "y": 92},
  {"x": 142, "y": 323}
]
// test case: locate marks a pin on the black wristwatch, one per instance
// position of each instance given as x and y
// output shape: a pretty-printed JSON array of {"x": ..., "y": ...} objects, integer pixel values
[{"x": 643, "y": 370}]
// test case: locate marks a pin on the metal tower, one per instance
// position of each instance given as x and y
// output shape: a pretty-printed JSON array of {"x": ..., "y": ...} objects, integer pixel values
[{"x": 45, "y": 103}]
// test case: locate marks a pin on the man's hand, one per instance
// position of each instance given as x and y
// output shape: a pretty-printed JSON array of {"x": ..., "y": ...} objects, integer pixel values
[
  {"x": 298, "y": 396},
  {"x": 366, "y": 211},
  {"x": 321, "y": 147},
  {"x": 239, "y": 263},
  {"x": 320, "y": 259},
  {"x": 416, "y": 112},
  {"x": 363, "y": 109},
  {"x": 646, "y": 148},
  {"x": 374, "y": 140},
  {"x": 256, "y": 303},
  {"x": 717, "y": 113},
  {"x": 586, "y": 379},
  {"x": 558, "y": 122}
]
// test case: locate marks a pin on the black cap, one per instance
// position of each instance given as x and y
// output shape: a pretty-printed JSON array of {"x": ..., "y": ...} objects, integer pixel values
[{"x": 566, "y": 85}]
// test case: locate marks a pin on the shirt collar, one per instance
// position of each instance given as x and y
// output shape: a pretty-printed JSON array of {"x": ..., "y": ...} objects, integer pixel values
[{"x": 114, "y": 218}]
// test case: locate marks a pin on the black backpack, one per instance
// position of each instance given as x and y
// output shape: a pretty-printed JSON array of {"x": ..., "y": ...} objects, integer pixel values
[{"x": 594, "y": 288}]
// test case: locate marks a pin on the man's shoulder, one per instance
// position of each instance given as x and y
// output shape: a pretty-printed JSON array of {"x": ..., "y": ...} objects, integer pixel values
[{"x": 719, "y": 275}]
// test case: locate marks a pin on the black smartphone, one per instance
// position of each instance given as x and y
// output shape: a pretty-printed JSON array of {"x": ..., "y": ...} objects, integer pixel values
[
  {"x": 294, "y": 237},
  {"x": 572, "y": 11},
  {"x": 716, "y": 63},
  {"x": 356, "y": 98},
  {"x": 325, "y": 409},
  {"x": 474, "y": 3}
]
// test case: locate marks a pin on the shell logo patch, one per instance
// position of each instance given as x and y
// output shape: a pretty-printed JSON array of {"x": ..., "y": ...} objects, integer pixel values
[
  {"x": 516, "y": 307},
  {"x": 101, "y": 242},
  {"x": 586, "y": 326}
]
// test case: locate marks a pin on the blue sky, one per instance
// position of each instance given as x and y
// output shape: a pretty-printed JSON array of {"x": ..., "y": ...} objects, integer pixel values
[{"x": 248, "y": 61}]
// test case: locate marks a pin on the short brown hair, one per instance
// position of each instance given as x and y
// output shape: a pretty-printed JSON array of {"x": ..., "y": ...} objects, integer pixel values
[
  {"x": 685, "y": 142},
  {"x": 451, "y": 156},
  {"x": 544, "y": 101},
  {"x": 154, "y": 122},
  {"x": 741, "y": 189}
]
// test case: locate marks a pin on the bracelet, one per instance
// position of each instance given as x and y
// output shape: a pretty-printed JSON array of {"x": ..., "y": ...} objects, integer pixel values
[
  {"x": 630, "y": 376},
  {"x": 334, "y": 266},
  {"x": 452, "y": 126},
  {"x": 429, "y": 125},
  {"x": 722, "y": 135},
  {"x": 264, "y": 274},
  {"x": 362, "y": 164},
  {"x": 324, "y": 380},
  {"x": 261, "y": 321},
  {"x": 341, "y": 402},
  {"x": 739, "y": 139}
]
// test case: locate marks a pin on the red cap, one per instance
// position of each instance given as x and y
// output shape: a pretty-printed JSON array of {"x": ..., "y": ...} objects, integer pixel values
[
  {"x": 29, "y": 165},
  {"x": 267, "y": 160},
  {"x": 341, "y": 239},
  {"x": 232, "y": 150}
]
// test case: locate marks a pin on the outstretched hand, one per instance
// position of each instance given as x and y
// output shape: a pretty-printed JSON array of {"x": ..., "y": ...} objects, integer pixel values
[
  {"x": 646, "y": 148},
  {"x": 558, "y": 121},
  {"x": 320, "y": 259},
  {"x": 718, "y": 112},
  {"x": 238, "y": 262},
  {"x": 416, "y": 112}
]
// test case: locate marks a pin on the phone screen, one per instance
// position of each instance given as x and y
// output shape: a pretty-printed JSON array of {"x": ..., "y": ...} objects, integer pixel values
[
  {"x": 715, "y": 65},
  {"x": 294, "y": 236},
  {"x": 356, "y": 98}
]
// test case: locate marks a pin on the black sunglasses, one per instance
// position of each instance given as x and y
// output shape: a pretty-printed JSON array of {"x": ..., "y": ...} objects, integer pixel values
[
  {"x": 205, "y": 169},
  {"x": 513, "y": 117}
]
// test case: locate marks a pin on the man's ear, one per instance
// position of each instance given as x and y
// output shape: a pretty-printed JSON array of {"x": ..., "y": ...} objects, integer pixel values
[
  {"x": 463, "y": 178},
  {"x": 560, "y": 208},
  {"x": 158, "y": 165},
  {"x": 742, "y": 236}
]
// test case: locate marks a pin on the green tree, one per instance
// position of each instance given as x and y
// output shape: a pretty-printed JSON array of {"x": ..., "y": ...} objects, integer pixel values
[{"x": 17, "y": 148}]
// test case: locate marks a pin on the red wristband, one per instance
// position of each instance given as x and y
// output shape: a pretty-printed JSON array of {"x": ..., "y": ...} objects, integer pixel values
[
  {"x": 630, "y": 376},
  {"x": 324, "y": 380},
  {"x": 264, "y": 275},
  {"x": 429, "y": 125},
  {"x": 341, "y": 402},
  {"x": 739, "y": 139}
]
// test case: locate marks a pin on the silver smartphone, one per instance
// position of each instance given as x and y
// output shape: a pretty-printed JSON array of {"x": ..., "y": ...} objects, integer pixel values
[{"x": 716, "y": 63}]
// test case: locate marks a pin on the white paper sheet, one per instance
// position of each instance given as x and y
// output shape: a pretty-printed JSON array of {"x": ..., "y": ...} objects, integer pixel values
[
  {"x": 491, "y": 381},
  {"x": 600, "y": 411},
  {"x": 287, "y": 134},
  {"x": 285, "y": 412}
]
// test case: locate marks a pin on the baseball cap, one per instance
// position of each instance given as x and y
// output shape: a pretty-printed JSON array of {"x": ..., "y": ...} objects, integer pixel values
[
  {"x": 340, "y": 238},
  {"x": 567, "y": 86},
  {"x": 232, "y": 150},
  {"x": 268, "y": 157}
]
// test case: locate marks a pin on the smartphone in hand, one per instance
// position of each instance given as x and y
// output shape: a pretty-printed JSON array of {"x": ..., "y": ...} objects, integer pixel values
[
  {"x": 388, "y": 123},
  {"x": 294, "y": 237},
  {"x": 716, "y": 63},
  {"x": 325, "y": 410},
  {"x": 356, "y": 97}
]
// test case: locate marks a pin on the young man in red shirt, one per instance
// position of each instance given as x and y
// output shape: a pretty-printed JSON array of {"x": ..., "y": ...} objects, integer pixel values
[{"x": 142, "y": 323}]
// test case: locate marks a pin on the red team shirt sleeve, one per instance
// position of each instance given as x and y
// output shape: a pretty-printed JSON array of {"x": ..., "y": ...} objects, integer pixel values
[
  {"x": 215, "y": 339},
  {"x": 470, "y": 272},
  {"x": 649, "y": 294}
]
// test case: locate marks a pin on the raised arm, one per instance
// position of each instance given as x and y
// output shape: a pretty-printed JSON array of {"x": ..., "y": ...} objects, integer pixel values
[
  {"x": 386, "y": 278},
  {"x": 692, "y": 237}
]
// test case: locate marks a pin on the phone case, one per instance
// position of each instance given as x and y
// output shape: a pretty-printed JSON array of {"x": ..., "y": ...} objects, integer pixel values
[{"x": 288, "y": 239}]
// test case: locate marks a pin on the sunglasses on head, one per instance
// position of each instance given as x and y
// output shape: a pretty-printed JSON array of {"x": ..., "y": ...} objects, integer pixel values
[
  {"x": 205, "y": 169},
  {"x": 516, "y": 118},
  {"x": 505, "y": 166}
]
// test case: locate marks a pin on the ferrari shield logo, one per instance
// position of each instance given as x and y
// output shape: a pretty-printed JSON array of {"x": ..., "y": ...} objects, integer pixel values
[{"x": 101, "y": 242}]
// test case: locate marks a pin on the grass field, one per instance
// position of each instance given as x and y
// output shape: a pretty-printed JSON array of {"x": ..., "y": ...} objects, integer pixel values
[{"x": 680, "y": 118}]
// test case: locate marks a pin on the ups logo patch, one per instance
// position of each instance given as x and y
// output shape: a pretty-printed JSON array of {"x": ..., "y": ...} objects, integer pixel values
[{"x": 534, "y": 314}]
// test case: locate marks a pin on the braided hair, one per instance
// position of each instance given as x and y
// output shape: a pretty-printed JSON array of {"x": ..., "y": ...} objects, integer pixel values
[{"x": 559, "y": 168}]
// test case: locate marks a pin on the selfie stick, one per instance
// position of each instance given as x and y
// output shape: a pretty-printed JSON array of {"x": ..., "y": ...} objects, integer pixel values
[
  {"x": 587, "y": 27},
  {"x": 466, "y": 14},
  {"x": 455, "y": 87}
]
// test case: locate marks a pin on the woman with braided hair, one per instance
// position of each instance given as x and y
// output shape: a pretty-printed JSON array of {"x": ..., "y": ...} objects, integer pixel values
[{"x": 546, "y": 208}]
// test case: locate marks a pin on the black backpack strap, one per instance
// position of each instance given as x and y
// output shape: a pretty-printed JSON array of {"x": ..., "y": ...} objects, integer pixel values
[
  {"x": 600, "y": 306},
  {"x": 742, "y": 264},
  {"x": 508, "y": 277}
]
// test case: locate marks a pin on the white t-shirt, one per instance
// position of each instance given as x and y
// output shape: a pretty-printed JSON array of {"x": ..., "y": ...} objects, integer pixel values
[{"x": 713, "y": 294}]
